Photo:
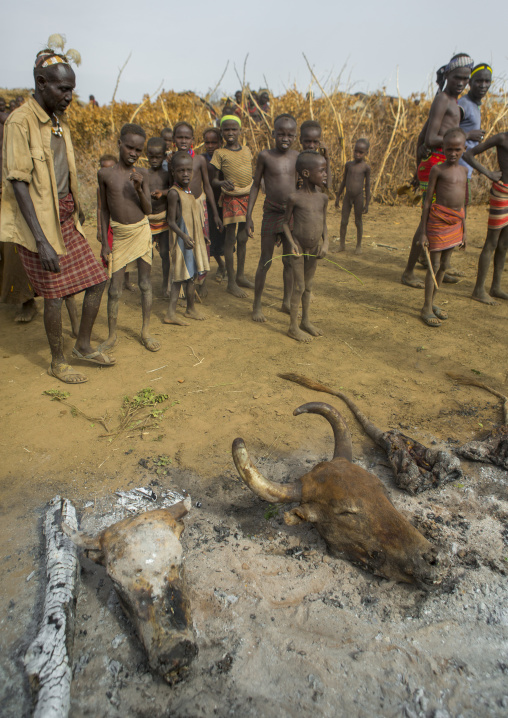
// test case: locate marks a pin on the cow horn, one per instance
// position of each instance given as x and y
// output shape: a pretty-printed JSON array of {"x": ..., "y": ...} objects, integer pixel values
[
  {"x": 343, "y": 445},
  {"x": 265, "y": 489}
]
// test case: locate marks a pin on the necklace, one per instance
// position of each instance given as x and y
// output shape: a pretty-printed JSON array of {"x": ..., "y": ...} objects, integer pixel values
[
  {"x": 57, "y": 128},
  {"x": 187, "y": 191}
]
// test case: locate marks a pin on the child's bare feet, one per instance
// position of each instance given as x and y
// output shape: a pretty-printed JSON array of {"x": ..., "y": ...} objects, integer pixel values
[
  {"x": 235, "y": 290},
  {"x": 481, "y": 296},
  {"x": 409, "y": 279},
  {"x": 311, "y": 329},
  {"x": 175, "y": 319},
  {"x": 150, "y": 343},
  {"x": 27, "y": 312},
  {"x": 299, "y": 335},
  {"x": 108, "y": 344},
  {"x": 341, "y": 247},
  {"x": 358, "y": 249},
  {"x": 257, "y": 315},
  {"x": 498, "y": 293},
  {"x": 193, "y": 314},
  {"x": 242, "y": 281}
]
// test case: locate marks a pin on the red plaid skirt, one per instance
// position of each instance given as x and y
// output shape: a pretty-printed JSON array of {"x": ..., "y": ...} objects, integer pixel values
[
  {"x": 78, "y": 268},
  {"x": 234, "y": 209}
]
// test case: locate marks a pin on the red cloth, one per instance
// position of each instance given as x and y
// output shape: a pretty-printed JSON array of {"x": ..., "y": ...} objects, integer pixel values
[
  {"x": 110, "y": 245},
  {"x": 234, "y": 209},
  {"x": 78, "y": 268},
  {"x": 445, "y": 227},
  {"x": 498, "y": 213},
  {"x": 436, "y": 158}
]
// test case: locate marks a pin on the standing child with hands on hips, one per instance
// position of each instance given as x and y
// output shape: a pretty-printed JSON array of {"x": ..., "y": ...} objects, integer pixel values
[
  {"x": 125, "y": 203},
  {"x": 308, "y": 239},
  {"x": 443, "y": 222}
]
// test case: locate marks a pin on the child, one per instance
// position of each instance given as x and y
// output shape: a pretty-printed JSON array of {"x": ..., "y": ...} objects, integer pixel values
[
  {"x": 310, "y": 139},
  {"x": 158, "y": 181},
  {"x": 125, "y": 198},
  {"x": 212, "y": 139},
  {"x": 307, "y": 207},
  {"x": 235, "y": 162},
  {"x": 356, "y": 174},
  {"x": 189, "y": 257},
  {"x": 497, "y": 235},
  {"x": 443, "y": 225},
  {"x": 277, "y": 168},
  {"x": 108, "y": 161},
  {"x": 167, "y": 136}
]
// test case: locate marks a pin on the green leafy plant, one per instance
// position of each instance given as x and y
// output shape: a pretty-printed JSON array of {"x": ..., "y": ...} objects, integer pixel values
[{"x": 271, "y": 511}]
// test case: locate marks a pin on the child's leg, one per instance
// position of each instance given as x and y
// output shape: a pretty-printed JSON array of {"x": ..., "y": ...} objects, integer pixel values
[
  {"x": 72, "y": 310},
  {"x": 191, "y": 298},
  {"x": 221, "y": 268},
  {"x": 310, "y": 266},
  {"x": 241, "y": 249},
  {"x": 499, "y": 260},
  {"x": 264, "y": 264},
  {"x": 297, "y": 264},
  {"x": 163, "y": 245},
  {"x": 488, "y": 250},
  {"x": 358, "y": 205},
  {"x": 145, "y": 285},
  {"x": 171, "y": 316},
  {"x": 408, "y": 278},
  {"x": 229, "y": 249},
  {"x": 427, "y": 312},
  {"x": 346, "y": 211},
  {"x": 114, "y": 294}
]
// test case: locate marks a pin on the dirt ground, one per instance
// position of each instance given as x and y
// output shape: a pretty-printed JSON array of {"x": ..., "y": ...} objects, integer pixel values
[{"x": 282, "y": 628}]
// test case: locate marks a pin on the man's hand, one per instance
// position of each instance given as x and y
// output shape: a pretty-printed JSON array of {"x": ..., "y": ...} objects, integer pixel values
[
  {"x": 105, "y": 252},
  {"x": 365, "y": 209},
  {"x": 250, "y": 227},
  {"x": 48, "y": 258},
  {"x": 137, "y": 180},
  {"x": 218, "y": 222},
  {"x": 476, "y": 135},
  {"x": 227, "y": 185},
  {"x": 495, "y": 176},
  {"x": 322, "y": 251},
  {"x": 323, "y": 150},
  {"x": 464, "y": 242},
  {"x": 424, "y": 241}
]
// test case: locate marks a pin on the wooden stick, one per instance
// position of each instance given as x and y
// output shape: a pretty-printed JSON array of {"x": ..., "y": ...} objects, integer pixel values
[
  {"x": 427, "y": 254},
  {"x": 116, "y": 88},
  {"x": 47, "y": 659},
  {"x": 110, "y": 265},
  {"x": 389, "y": 146}
]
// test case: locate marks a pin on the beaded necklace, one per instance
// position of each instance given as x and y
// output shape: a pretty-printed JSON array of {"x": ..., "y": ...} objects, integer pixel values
[{"x": 56, "y": 129}]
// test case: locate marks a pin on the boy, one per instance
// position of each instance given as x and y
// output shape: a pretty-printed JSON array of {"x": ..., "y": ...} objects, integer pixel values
[
  {"x": 125, "y": 199},
  {"x": 189, "y": 256},
  {"x": 158, "y": 181},
  {"x": 277, "y": 168},
  {"x": 167, "y": 136},
  {"x": 235, "y": 162},
  {"x": 104, "y": 162},
  {"x": 497, "y": 235},
  {"x": 212, "y": 139},
  {"x": 183, "y": 137},
  {"x": 310, "y": 139},
  {"x": 444, "y": 115},
  {"x": 307, "y": 207},
  {"x": 356, "y": 174},
  {"x": 443, "y": 226}
]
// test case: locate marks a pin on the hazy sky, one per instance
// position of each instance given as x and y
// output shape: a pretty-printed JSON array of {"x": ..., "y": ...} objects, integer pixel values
[{"x": 188, "y": 44}]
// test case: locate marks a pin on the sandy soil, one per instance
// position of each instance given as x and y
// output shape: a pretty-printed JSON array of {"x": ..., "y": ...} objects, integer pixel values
[{"x": 283, "y": 629}]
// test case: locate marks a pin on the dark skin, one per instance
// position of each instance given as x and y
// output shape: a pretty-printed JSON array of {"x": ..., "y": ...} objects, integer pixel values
[
  {"x": 307, "y": 206},
  {"x": 310, "y": 139},
  {"x": 236, "y": 234},
  {"x": 183, "y": 177},
  {"x": 448, "y": 182},
  {"x": 158, "y": 181},
  {"x": 125, "y": 198},
  {"x": 277, "y": 169},
  {"x": 213, "y": 142},
  {"x": 496, "y": 242},
  {"x": 356, "y": 175},
  {"x": 53, "y": 92},
  {"x": 444, "y": 114}
]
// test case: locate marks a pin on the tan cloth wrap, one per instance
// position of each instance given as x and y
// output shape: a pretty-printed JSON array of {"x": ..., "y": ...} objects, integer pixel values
[{"x": 131, "y": 242}]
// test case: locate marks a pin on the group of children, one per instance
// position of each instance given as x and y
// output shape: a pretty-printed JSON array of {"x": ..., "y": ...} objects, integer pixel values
[{"x": 192, "y": 206}]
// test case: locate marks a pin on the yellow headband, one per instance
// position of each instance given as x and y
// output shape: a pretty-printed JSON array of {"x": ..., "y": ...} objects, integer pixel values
[
  {"x": 478, "y": 68},
  {"x": 230, "y": 117}
]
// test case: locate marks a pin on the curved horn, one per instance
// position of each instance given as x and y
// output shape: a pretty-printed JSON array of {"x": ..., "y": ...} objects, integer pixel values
[
  {"x": 265, "y": 489},
  {"x": 343, "y": 445}
]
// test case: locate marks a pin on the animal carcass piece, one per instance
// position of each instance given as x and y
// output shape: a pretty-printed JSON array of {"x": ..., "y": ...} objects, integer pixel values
[
  {"x": 143, "y": 557},
  {"x": 415, "y": 466},
  {"x": 350, "y": 509}
]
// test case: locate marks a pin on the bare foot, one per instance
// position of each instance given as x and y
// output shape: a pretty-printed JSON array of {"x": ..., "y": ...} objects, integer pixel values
[
  {"x": 108, "y": 344},
  {"x": 455, "y": 272},
  {"x": 448, "y": 279},
  {"x": 311, "y": 329},
  {"x": 244, "y": 282},
  {"x": 150, "y": 343},
  {"x": 193, "y": 314},
  {"x": 285, "y": 309},
  {"x": 67, "y": 374},
  {"x": 202, "y": 290},
  {"x": 409, "y": 279},
  {"x": 482, "y": 296},
  {"x": 299, "y": 335},
  {"x": 257, "y": 315},
  {"x": 341, "y": 248},
  {"x": 174, "y": 319},
  {"x": 27, "y": 312},
  {"x": 235, "y": 290},
  {"x": 498, "y": 293},
  {"x": 358, "y": 250}
]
